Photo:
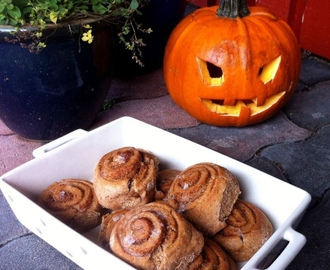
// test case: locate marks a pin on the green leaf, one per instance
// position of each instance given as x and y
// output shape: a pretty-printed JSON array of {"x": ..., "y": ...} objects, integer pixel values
[
  {"x": 53, "y": 16},
  {"x": 2, "y": 7},
  {"x": 99, "y": 8},
  {"x": 27, "y": 10},
  {"x": 134, "y": 5},
  {"x": 12, "y": 22},
  {"x": 20, "y": 3},
  {"x": 70, "y": 5},
  {"x": 15, "y": 13}
]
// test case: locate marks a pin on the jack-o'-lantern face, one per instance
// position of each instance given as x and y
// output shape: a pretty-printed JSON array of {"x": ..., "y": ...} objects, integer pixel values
[
  {"x": 241, "y": 75},
  {"x": 213, "y": 76}
]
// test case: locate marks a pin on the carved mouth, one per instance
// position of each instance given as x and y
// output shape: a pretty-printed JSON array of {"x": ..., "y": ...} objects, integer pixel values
[{"x": 235, "y": 110}]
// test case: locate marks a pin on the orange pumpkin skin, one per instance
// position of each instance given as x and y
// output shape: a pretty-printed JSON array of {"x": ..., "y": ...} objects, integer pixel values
[{"x": 240, "y": 47}]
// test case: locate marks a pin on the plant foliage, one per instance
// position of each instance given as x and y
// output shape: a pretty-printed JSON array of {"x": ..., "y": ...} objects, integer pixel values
[{"x": 25, "y": 14}]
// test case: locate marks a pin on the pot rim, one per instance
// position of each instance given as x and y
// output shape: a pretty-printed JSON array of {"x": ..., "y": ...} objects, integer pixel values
[
  {"x": 72, "y": 28},
  {"x": 4, "y": 28}
]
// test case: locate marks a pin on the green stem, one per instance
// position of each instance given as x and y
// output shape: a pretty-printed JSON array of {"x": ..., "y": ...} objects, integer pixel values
[{"x": 233, "y": 9}]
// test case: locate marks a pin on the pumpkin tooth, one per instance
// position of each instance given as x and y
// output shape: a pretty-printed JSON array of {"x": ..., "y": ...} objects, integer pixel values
[
  {"x": 267, "y": 104},
  {"x": 230, "y": 102},
  {"x": 239, "y": 106},
  {"x": 234, "y": 110},
  {"x": 259, "y": 101},
  {"x": 222, "y": 109},
  {"x": 208, "y": 104},
  {"x": 213, "y": 107}
]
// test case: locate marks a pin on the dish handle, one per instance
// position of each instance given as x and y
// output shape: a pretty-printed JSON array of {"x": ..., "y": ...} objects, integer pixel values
[
  {"x": 284, "y": 252},
  {"x": 40, "y": 151}
]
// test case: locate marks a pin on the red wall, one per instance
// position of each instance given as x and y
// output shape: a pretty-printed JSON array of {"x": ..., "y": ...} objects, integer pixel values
[
  {"x": 315, "y": 28},
  {"x": 307, "y": 18}
]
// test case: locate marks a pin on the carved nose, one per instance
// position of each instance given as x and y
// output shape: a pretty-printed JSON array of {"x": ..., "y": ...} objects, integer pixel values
[{"x": 211, "y": 74}]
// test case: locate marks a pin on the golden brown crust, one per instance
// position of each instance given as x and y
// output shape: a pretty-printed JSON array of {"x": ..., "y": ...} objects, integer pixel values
[
  {"x": 213, "y": 257},
  {"x": 125, "y": 178},
  {"x": 164, "y": 181},
  {"x": 72, "y": 201},
  {"x": 108, "y": 222},
  {"x": 155, "y": 236},
  {"x": 205, "y": 194},
  {"x": 247, "y": 230}
]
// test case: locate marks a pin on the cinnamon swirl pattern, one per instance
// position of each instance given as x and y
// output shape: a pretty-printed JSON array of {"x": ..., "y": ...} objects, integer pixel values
[
  {"x": 164, "y": 181},
  {"x": 108, "y": 222},
  {"x": 213, "y": 257},
  {"x": 155, "y": 236},
  {"x": 125, "y": 178},
  {"x": 190, "y": 219},
  {"x": 72, "y": 201},
  {"x": 205, "y": 194},
  {"x": 247, "y": 230}
]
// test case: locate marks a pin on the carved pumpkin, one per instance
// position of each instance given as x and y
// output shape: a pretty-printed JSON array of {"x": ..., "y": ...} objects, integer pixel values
[{"x": 230, "y": 65}]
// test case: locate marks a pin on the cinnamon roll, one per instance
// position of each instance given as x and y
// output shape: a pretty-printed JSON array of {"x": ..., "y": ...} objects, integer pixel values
[
  {"x": 108, "y": 222},
  {"x": 205, "y": 194},
  {"x": 164, "y": 181},
  {"x": 72, "y": 201},
  {"x": 125, "y": 178},
  {"x": 155, "y": 236},
  {"x": 213, "y": 257},
  {"x": 247, "y": 230}
]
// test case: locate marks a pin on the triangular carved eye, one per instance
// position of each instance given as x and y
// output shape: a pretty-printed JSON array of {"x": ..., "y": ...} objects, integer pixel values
[
  {"x": 211, "y": 74},
  {"x": 268, "y": 71}
]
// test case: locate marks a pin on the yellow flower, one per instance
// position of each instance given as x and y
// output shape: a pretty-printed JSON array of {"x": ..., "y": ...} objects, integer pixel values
[
  {"x": 41, "y": 45},
  {"x": 38, "y": 34},
  {"x": 88, "y": 36}
]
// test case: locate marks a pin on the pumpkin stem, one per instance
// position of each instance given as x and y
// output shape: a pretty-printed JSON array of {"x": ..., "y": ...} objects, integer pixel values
[{"x": 233, "y": 9}]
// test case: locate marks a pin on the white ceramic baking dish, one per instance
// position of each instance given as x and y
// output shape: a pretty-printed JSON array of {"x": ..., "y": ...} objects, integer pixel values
[{"x": 76, "y": 155}]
